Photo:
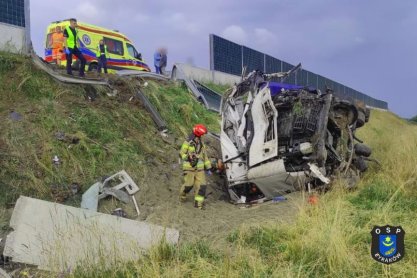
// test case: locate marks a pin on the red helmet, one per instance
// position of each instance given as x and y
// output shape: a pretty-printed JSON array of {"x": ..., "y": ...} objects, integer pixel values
[{"x": 199, "y": 130}]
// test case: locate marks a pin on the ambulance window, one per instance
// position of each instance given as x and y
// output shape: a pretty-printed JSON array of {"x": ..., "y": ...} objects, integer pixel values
[
  {"x": 132, "y": 51},
  {"x": 114, "y": 46},
  {"x": 49, "y": 40}
]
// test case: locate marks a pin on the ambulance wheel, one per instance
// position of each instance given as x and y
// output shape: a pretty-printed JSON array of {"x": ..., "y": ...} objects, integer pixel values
[{"x": 92, "y": 67}]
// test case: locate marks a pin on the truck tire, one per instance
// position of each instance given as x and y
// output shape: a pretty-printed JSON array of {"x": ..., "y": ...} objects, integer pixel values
[
  {"x": 361, "y": 164},
  {"x": 367, "y": 114},
  {"x": 360, "y": 122},
  {"x": 362, "y": 150}
]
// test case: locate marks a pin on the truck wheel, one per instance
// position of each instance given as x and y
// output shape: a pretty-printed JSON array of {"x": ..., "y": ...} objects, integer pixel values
[
  {"x": 361, "y": 164},
  {"x": 362, "y": 150},
  {"x": 367, "y": 114},
  {"x": 361, "y": 118}
]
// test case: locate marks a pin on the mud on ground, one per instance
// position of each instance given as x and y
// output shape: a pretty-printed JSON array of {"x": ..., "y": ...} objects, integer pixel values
[{"x": 159, "y": 203}]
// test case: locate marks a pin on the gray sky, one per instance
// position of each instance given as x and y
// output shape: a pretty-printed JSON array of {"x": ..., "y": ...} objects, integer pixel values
[{"x": 370, "y": 46}]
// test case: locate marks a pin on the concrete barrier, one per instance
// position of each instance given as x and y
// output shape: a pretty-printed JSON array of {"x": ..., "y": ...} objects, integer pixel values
[
  {"x": 208, "y": 76},
  {"x": 58, "y": 237}
]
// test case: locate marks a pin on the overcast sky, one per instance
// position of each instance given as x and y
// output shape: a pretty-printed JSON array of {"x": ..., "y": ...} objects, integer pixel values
[{"x": 370, "y": 46}]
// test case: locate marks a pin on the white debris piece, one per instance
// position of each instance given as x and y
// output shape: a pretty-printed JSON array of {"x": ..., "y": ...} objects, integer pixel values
[
  {"x": 316, "y": 172},
  {"x": 57, "y": 237}
]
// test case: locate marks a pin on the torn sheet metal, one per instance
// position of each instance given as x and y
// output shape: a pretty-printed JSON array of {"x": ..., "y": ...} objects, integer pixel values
[
  {"x": 316, "y": 172},
  {"x": 57, "y": 237},
  {"x": 90, "y": 197},
  {"x": 116, "y": 193}
]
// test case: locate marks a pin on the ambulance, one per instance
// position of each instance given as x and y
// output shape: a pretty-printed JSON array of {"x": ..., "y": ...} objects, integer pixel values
[{"x": 122, "y": 54}]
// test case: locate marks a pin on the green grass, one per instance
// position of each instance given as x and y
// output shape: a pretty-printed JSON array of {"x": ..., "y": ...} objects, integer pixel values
[
  {"x": 114, "y": 133},
  {"x": 217, "y": 87}
]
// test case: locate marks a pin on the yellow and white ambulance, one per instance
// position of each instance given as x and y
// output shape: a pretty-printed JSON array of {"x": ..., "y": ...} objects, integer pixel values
[{"x": 122, "y": 53}]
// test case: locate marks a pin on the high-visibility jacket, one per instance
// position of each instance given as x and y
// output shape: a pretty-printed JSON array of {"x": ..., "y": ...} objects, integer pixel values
[
  {"x": 71, "y": 40},
  {"x": 57, "y": 40},
  {"x": 99, "y": 53},
  {"x": 192, "y": 148}
]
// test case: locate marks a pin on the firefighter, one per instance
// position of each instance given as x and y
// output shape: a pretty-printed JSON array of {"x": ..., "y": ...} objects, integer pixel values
[
  {"x": 194, "y": 163},
  {"x": 70, "y": 45},
  {"x": 102, "y": 57}
]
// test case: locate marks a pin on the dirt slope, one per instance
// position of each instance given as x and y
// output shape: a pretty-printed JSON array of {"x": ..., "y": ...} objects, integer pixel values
[{"x": 113, "y": 133}]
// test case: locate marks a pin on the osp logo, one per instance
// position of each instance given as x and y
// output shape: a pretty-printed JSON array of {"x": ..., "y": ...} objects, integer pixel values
[
  {"x": 86, "y": 39},
  {"x": 387, "y": 244}
]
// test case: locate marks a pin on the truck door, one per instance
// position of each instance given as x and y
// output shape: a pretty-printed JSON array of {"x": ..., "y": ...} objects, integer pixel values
[{"x": 264, "y": 145}]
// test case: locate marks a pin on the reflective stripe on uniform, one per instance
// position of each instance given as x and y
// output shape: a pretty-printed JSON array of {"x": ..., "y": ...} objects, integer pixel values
[
  {"x": 188, "y": 148},
  {"x": 199, "y": 198}
]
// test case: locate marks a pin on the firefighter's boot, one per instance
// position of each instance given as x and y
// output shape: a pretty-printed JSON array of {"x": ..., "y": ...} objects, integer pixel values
[{"x": 199, "y": 202}]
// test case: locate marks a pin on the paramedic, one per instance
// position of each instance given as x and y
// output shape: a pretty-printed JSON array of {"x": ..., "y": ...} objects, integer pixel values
[{"x": 102, "y": 57}]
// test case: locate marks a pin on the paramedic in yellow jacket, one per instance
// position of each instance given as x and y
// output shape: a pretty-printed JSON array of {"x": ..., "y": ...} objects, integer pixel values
[{"x": 194, "y": 161}]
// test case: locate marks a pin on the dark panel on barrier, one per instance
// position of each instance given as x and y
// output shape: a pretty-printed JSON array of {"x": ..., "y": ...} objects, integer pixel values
[
  {"x": 252, "y": 59},
  {"x": 12, "y": 12},
  {"x": 226, "y": 56},
  {"x": 286, "y": 67},
  {"x": 302, "y": 78},
  {"x": 321, "y": 83},
  {"x": 272, "y": 64},
  {"x": 229, "y": 57},
  {"x": 312, "y": 79}
]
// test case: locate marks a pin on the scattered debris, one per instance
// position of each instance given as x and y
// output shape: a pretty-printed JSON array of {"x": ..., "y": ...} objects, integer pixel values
[
  {"x": 119, "y": 212},
  {"x": 156, "y": 117},
  {"x": 75, "y": 188},
  {"x": 14, "y": 116},
  {"x": 313, "y": 199},
  {"x": 90, "y": 197},
  {"x": 61, "y": 136},
  {"x": 278, "y": 199},
  {"x": 57, "y": 237},
  {"x": 101, "y": 190},
  {"x": 116, "y": 193},
  {"x": 56, "y": 161}
]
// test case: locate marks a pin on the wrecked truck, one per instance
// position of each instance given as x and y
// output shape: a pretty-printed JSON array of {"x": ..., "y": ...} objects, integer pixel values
[{"x": 277, "y": 138}]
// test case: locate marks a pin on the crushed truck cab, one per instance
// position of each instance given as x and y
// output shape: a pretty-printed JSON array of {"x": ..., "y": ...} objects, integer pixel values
[{"x": 277, "y": 138}]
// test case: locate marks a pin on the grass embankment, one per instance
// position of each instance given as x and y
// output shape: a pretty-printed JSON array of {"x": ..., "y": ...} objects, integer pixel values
[
  {"x": 115, "y": 133},
  {"x": 216, "y": 87},
  {"x": 331, "y": 239}
]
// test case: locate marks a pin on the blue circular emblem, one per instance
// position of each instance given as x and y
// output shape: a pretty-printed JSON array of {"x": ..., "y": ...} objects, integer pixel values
[{"x": 86, "y": 39}]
